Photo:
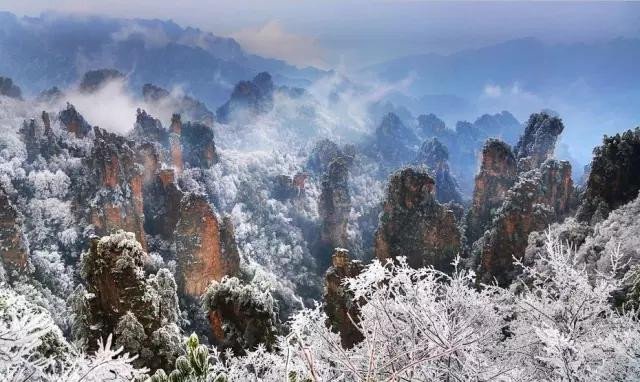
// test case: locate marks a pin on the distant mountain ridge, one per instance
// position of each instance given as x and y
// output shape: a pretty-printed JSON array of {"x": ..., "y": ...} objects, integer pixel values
[
  {"x": 55, "y": 49},
  {"x": 604, "y": 66}
]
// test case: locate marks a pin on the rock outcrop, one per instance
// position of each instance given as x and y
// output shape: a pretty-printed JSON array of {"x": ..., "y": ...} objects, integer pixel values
[
  {"x": 241, "y": 315},
  {"x": 202, "y": 257},
  {"x": 248, "y": 99},
  {"x": 74, "y": 122},
  {"x": 9, "y": 89},
  {"x": 175, "y": 146},
  {"x": 162, "y": 204},
  {"x": 468, "y": 140},
  {"x": 334, "y": 207},
  {"x": 341, "y": 310},
  {"x": 430, "y": 125},
  {"x": 14, "y": 252},
  {"x": 324, "y": 152},
  {"x": 95, "y": 79},
  {"x": 116, "y": 187},
  {"x": 149, "y": 130},
  {"x": 539, "y": 197},
  {"x": 538, "y": 142},
  {"x": 415, "y": 225},
  {"x": 435, "y": 156},
  {"x": 198, "y": 146},
  {"x": 614, "y": 176},
  {"x": 498, "y": 172},
  {"x": 141, "y": 312},
  {"x": 394, "y": 142},
  {"x": 32, "y": 134}
]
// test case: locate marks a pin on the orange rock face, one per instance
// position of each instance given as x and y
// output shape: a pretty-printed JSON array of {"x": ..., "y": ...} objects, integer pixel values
[
  {"x": 13, "y": 249},
  {"x": 118, "y": 200},
  {"x": 201, "y": 258},
  {"x": 497, "y": 174},
  {"x": 539, "y": 198}
]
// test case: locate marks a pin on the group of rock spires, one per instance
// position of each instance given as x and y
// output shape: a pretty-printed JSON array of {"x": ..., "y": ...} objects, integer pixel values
[
  {"x": 517, "y": 192},
  {"x": 129, "y": 184}
]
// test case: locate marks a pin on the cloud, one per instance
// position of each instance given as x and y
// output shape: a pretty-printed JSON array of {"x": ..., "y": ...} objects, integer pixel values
[
  {"x": 111, "y": 107},
  {"x": 492, "y": 91},
  {"x": 272, "y": 40}
]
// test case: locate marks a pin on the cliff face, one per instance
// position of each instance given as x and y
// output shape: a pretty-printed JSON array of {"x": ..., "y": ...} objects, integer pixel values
[
  {"x": 415, "y": 225},
  {"x": 162, "y": 204},
  {"x": 14, "y": 252},
  {"x": 334, "y": 207},
  {"x": 201, "y": 254},
  {"x": 539, "y": 198},
  {"x": 435, "y": 156},
  {"x": 118, "y": 179},
  {"x": 339, "y": 305},
  {"x": 248, "y": 99},
  {"x": 498, "y": 172},
  {"x": 113, "y": 271},
  {"x": 539, "y": 140},
  {"x": 74, "y": 122},
  {"x": 141, "y": 312},
  {"x": 198, "y": 146},
  {"x": 614, "y": 177},
  {"x": 149, "y": 129},
  {"x": 175, "y": 146}
]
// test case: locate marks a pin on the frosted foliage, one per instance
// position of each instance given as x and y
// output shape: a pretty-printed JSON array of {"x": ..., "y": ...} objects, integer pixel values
[
  {"x": 28, "y": 332},
  {"x": 268, "y": 232},
  {"x": 12, "y": 151},
  {"x": 47, "y": 184},
  {"x": 619, "y": 232},
  {"x": 420, "y": 325}
]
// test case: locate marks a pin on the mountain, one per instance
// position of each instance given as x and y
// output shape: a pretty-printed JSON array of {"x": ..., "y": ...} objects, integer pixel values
[
  {"x": 537, "y": 67},
  {"x": 594, "y": 86},
  {"x": 54, "y": 50}
]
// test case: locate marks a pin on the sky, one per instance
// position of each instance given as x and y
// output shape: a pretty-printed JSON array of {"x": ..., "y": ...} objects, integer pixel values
[{"x": 358, "y": 33}]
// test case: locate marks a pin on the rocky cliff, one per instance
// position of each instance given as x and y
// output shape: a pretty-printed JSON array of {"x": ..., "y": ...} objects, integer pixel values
[
  {"x": 141, "y": 312},
  {"x": 14, "y": 252},
  {"x": 415, "y": 225},
  {"x": 539, "y": 198},
  {"x": 333, "y": 207},
  {"x": 538, "y": 142},
  {"x": 498, "y": 172},
  {"x": 202, "y": 258},
  {"x": 248, "y": 99},
  {"x": 342, "y": 311},
  {"x": 116, "y": 186},
  {"x": 435, "y": 156},
  {"x": 614, "y": 176}
]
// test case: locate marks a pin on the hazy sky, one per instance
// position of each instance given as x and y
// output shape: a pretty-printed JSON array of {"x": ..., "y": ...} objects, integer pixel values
[{"x": 360, "y": 32}]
